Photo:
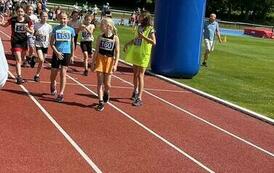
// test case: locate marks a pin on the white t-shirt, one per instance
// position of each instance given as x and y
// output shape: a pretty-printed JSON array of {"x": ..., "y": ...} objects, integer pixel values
[
  {"x": 85, "y": 35},
  {"x": 42, "y": 33}
]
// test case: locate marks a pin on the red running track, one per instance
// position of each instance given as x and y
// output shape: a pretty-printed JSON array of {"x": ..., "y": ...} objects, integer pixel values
[{"x": 175, "y": 130}]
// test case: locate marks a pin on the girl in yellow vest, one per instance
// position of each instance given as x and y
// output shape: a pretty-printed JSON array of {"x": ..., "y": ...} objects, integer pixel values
[
  {"x": 139, "y": 53},
  {"x": 106, "y": 59}
]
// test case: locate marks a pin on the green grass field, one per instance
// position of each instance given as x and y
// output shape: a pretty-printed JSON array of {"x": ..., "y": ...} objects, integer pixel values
[{"x": 240, "y": 71}]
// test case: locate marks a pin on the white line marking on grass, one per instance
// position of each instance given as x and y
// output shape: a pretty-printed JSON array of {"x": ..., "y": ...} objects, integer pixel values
[
  {"x": 201, "y": 119},
  {"x": 147, "y": 129},
  {"x": 60, "y": 129}
]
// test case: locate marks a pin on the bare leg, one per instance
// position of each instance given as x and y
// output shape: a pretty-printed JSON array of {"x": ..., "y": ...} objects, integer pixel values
[
  {"x": 63, "y": 78},
  {"x": 41, "y": 61},
  {"x": 141, "y": 77},
  {"x": 100, "y": 81},
  {"x": 18, "y": 62}
]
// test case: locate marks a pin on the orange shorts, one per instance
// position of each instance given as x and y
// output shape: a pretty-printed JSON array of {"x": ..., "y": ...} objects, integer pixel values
[{"x": 104, "y": 64}]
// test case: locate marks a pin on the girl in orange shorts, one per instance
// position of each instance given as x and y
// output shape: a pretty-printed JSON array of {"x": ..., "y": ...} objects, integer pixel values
[{"x": 106, "y": 59}]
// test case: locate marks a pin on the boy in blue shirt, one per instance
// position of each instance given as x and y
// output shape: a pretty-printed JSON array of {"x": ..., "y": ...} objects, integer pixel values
[
  {"x": 211, "y": 27},
  {"x": 62, "y": 45}
]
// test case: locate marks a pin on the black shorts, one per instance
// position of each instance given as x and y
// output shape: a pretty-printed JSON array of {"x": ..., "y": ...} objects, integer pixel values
[
  {"x": 55, "y": 62},
  {"x": 23, "y": 44},
  {"x": 86, "y": 46},
  {"x": 44, "y": 50}
]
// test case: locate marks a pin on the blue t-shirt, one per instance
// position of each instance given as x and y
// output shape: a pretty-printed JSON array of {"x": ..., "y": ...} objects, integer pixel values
[
  {"x": 63, "y": 36},
  {"x": 210, "y": 29}
]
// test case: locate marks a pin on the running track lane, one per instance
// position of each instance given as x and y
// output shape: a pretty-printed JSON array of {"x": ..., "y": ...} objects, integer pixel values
[
  {"x": 211, "y": 146},
  {"x": 28, "y": 142},
  {"x": 115, "y": 143}
]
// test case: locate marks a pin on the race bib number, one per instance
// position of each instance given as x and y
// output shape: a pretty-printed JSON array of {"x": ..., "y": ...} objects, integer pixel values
[
  {"x": 107, "y": 44},
  {"x": 20, "y": 27},
  {"x": 41, "y": 38},
  {"x": 62, "y": 35},
  {"x": 86, "y": 35}
]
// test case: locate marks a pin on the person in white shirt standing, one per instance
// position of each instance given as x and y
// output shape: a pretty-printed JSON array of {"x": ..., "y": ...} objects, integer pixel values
[{"x": 42, "y": 33}]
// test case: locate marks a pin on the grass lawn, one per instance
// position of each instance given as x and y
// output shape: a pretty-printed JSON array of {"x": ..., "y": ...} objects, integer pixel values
[{"x": 240, "y": 71}]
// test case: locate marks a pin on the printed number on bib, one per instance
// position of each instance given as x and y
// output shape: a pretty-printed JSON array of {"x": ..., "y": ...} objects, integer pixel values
[
  {"x": 20, "y": 27},
  {"x": 62, "y": 35},
  {"x": 41, "y": 38},
  {"x": 86, "y": 35},
  {"x": 107, "y": 44}
]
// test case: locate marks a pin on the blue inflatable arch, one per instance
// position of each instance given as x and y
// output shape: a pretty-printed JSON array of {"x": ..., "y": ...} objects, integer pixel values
[{"x": 179, "y": 25}]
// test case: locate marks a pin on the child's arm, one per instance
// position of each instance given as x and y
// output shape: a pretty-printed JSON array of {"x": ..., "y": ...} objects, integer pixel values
[
  {"x": 96, "y": 52},
  {"x": 90, "y": 29},
  {"x": 117, "y": 53},
  {"x": 52, "y": 44},
  {"x": 150, "y": 39},
  {"x": 127, "y": 44},
  {"x": 4, "y": 23}
]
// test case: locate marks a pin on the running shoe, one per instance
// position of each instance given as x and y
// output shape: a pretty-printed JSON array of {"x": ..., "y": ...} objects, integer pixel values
[
  {"x": 19, "y": 80},
  {"x": 36, "y": 78},
  {"x": 138, "y": 102},
  {"x": 60, "y": 98},
  {"x": 100, "y": 107}
]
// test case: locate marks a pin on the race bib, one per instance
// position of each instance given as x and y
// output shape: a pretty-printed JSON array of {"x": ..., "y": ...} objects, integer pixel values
[
  {"x": 41, "y": 38},
  {"x": 20, "y": 27},
  {"x": 63, "y": 35},
  {"x": 86, "y": 35},
  {"x": 107, "y": 44}
]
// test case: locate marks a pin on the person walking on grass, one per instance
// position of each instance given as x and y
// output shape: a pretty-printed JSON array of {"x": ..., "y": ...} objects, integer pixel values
[
  {"x": 139, "y": 54},
  {"x": 42, "y": 33},
  {"x": 62, "y": 43},
  {"x": 86, "y": 30},
  {"x": 106, "y": 59},
  {"x": 211, "y": 27},
  {"x": 21, "y": 24}
]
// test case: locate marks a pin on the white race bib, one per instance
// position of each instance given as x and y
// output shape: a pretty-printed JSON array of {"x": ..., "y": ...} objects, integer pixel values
[
  {"x": 63, "y": 35},
  {"x": 107, "y": 44},
  {"x": 20, "y": 27}
]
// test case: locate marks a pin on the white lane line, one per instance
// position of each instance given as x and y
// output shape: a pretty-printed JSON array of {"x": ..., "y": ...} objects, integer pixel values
[
  {"x": 114, "y": 86},
  {"x": 203, "y": 120},
  {"x": 147, "y": 129},
  {"x": 60, "y": 129}
]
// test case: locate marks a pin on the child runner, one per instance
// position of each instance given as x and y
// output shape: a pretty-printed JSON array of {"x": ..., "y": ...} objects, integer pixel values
[
  {"x": 63, "y": 49},
  {"x": 106, "y": 56},
  {"x": 42, "y": 32},
  {"x": 31, "y": 38},
  {"x": 139, "y": 54},
  {"x": 87, "y": 29},
  {"x": 20, "y": 26},
  {"x": 75, "y": 24}
]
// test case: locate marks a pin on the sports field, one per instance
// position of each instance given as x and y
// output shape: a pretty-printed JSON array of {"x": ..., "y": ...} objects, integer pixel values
[{"x": 240, "y": 71}]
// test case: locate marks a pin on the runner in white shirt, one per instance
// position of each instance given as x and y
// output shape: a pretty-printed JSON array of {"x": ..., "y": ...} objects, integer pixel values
[
  {"x": 31, "y": 38},
  {"x": 86, "y": 31},
  {"x": 42, "y": 32}
]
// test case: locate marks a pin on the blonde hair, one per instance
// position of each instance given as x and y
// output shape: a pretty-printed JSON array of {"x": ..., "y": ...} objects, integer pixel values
[{"x": 110, "y": 22}]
